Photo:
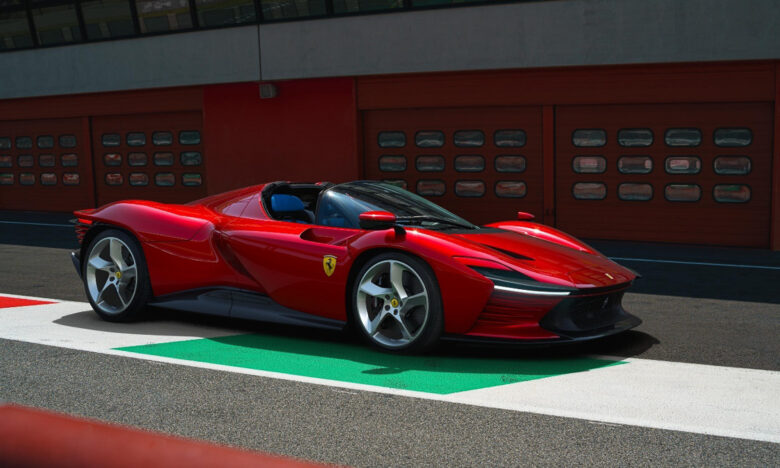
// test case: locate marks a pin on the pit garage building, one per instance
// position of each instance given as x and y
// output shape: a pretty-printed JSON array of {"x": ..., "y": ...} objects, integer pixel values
[{"x": 647, "y": 120}]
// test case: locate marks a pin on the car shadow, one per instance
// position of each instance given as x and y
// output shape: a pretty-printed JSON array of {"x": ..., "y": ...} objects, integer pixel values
[
  {"x": 236, "y": 337},
  {"x": 162, "y": 323},
  {"x": 448, "y": 358}
]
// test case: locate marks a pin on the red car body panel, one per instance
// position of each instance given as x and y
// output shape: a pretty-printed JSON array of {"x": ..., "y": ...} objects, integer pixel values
[{"x": 230, "y": 241}]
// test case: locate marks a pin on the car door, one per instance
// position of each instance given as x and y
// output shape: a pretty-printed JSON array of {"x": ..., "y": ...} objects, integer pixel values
[{"x": 300, "y": 266}]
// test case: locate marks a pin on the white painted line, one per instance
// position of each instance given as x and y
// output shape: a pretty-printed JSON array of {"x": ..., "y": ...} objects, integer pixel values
[
  {"x": 38, "y": 224},
  {"x": 721, "y": 401},
  {"x": 680, "y": 262},
  {"x": 714, "y": 400}
]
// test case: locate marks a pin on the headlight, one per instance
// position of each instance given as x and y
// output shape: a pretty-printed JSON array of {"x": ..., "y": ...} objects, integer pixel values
[{"x": 511, "y": 281}]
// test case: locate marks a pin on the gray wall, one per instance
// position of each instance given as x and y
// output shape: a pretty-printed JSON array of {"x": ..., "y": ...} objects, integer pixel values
[
  {"x": 531, "y": 34},
  {"x": 534, "y": 34},
  {"x": 218, "y": 56}
]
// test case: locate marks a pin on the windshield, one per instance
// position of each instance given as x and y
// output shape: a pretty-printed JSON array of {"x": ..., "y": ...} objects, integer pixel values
[{"x": 341, "y": 205}]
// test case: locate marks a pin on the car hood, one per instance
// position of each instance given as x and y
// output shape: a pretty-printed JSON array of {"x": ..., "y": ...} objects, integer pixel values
[{"x": 549, "y": 262}]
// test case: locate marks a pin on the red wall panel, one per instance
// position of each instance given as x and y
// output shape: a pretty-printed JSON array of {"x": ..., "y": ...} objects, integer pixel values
[
  {"x": 634, "y": 84},
  {"x": 308, "y": 132}
]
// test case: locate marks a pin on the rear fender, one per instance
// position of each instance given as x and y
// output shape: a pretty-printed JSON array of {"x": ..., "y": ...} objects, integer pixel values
[{"x": 150, "y": 221}]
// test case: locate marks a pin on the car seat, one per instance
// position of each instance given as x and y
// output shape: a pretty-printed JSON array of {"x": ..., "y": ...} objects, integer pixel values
[{"x": 290, "y": 208}]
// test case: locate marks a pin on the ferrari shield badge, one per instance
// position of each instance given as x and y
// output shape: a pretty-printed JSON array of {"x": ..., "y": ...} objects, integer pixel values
[{"x": 329, "y": 264}]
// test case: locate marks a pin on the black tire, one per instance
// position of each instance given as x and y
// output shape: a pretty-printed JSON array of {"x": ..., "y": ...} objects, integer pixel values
[
  {"x": 106, "y": 283},
  {"x": 388, "y": 319}
]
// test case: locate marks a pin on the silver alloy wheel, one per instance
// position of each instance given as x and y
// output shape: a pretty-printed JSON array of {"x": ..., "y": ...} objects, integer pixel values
[
  {"x": 111, "y": 275},
  {"x": 392, "y": 303}
]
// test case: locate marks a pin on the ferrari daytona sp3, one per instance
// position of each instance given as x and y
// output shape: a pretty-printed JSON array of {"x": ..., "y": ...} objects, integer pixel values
[{"x": 399, "y": 269}]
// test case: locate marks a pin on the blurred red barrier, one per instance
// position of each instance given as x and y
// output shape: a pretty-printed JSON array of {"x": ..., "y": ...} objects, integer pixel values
[{"x": 32, "y": 437}]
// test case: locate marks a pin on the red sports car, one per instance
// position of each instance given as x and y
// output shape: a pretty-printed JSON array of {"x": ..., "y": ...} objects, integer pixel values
[{"x": 401, "y": 270}]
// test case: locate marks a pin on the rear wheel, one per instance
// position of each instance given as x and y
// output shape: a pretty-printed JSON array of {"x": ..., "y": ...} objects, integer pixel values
[
  {"x": 115, "y": 276},
  {"x": 396, "y": 303}
]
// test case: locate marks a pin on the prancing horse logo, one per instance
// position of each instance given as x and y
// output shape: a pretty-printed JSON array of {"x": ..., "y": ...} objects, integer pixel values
[{"x": 329, "y": 264}]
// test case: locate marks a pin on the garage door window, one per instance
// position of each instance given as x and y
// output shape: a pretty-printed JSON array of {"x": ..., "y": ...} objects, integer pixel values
[
  {"x": 70, "y": 178},
  {"x": 45, "y": 141},
  {"x": 162, "y": 138},
  {"x": 136, "y": 159},
  {"x": 189, "y": 137},
  {"x": 67, "y": 141},
  {"x": 6, "y": 161},
  {"x": 469, "y": 163},
  {"x": 24, "y": 142},
  {"x": 589, "y": 164},
  {"x": 589, "y": 191},
  {"x": 429, "y": 139},
  {"x": 391, "y": 139},
  {"x": 165, "y": 179},
  {"x": 136, "y": 139},
  {"x": 69, "y": 160},
  {"x": 27, "y": 178},
  {"x": 682, "y": 192},
  {"x": 733, "y": 137},
  {"x": 469, "y": 138},
  {"x": 112, "y": 159},
  {"x": 111, "y": 139},
  {"x": 114, "y": 178},
  {"x": 191, "y": 158},
  {"x": 635, "y": 165},
  {"x": 163, "y": 159},
  {"x": 138, "y": 179},
  {"x": 683, "y": 137},
  {"x": 731, "y": 193},
  {"x": 630, "y": 191},
  {"x": 510, "y": 189},
  {"x": 633, "y": 137},
  {"x": 392, "y": 163},
  {"x": 48, "y": 178},
  {"x": 25, "y": 160},
  {"x": 191, "y": 180},
  {"x": 732, "y": 165},
  {"x": 6, "y": 178},
  {"x": 509, "y": 163},
  {"x": 430, "y": 188},
  {"x": 589, "y": 137},
  {"x": 5, "y": 143},
  {"x": 682, "y": 165},
  {"x": 429, "y": 163},
  {"x": 469, "y": 188},
  {"x": 47, "y": 160},
  {"x": 509, "y": 138}
]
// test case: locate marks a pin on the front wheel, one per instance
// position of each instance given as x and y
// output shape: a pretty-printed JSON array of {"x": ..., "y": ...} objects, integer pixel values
[
  {"x": 115, "y": 276},
  {"x": 397, "y": 304}
]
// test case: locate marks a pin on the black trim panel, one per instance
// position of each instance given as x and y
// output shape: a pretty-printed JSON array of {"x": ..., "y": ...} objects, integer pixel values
[{"x": 237, "y": 303}]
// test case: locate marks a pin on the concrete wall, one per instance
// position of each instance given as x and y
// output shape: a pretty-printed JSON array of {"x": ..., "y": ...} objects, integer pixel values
[
  {"x": 217, "y": 56},
  {"x": 529, "y": 34}
]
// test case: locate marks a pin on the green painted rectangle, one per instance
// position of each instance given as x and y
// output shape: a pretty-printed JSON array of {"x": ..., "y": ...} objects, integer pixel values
[{"x": 346, "y": 362}]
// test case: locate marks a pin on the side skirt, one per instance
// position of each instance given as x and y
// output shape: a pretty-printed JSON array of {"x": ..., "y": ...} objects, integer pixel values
[{"x": 242, "y": 304}]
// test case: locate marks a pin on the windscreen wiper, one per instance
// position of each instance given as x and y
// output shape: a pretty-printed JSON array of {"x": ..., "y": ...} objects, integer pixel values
[{"x": 407, "y": 219}]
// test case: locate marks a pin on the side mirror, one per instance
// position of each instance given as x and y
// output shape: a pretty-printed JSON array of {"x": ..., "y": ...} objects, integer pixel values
[
  {"x": 523, "y": 216},
  {"x": 376, "y": 220}
]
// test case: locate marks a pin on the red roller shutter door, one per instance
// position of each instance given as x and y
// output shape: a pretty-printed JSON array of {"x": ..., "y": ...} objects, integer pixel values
[
  {"x": 45, "y": 165},
  {"x": 689, "y": 173},
  {"x": 484, "y": 164},
  {"x": 156, "y": 157}
]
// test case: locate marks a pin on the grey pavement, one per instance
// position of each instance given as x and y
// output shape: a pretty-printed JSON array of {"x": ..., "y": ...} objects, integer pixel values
[{"x": 730, "y": 319}]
